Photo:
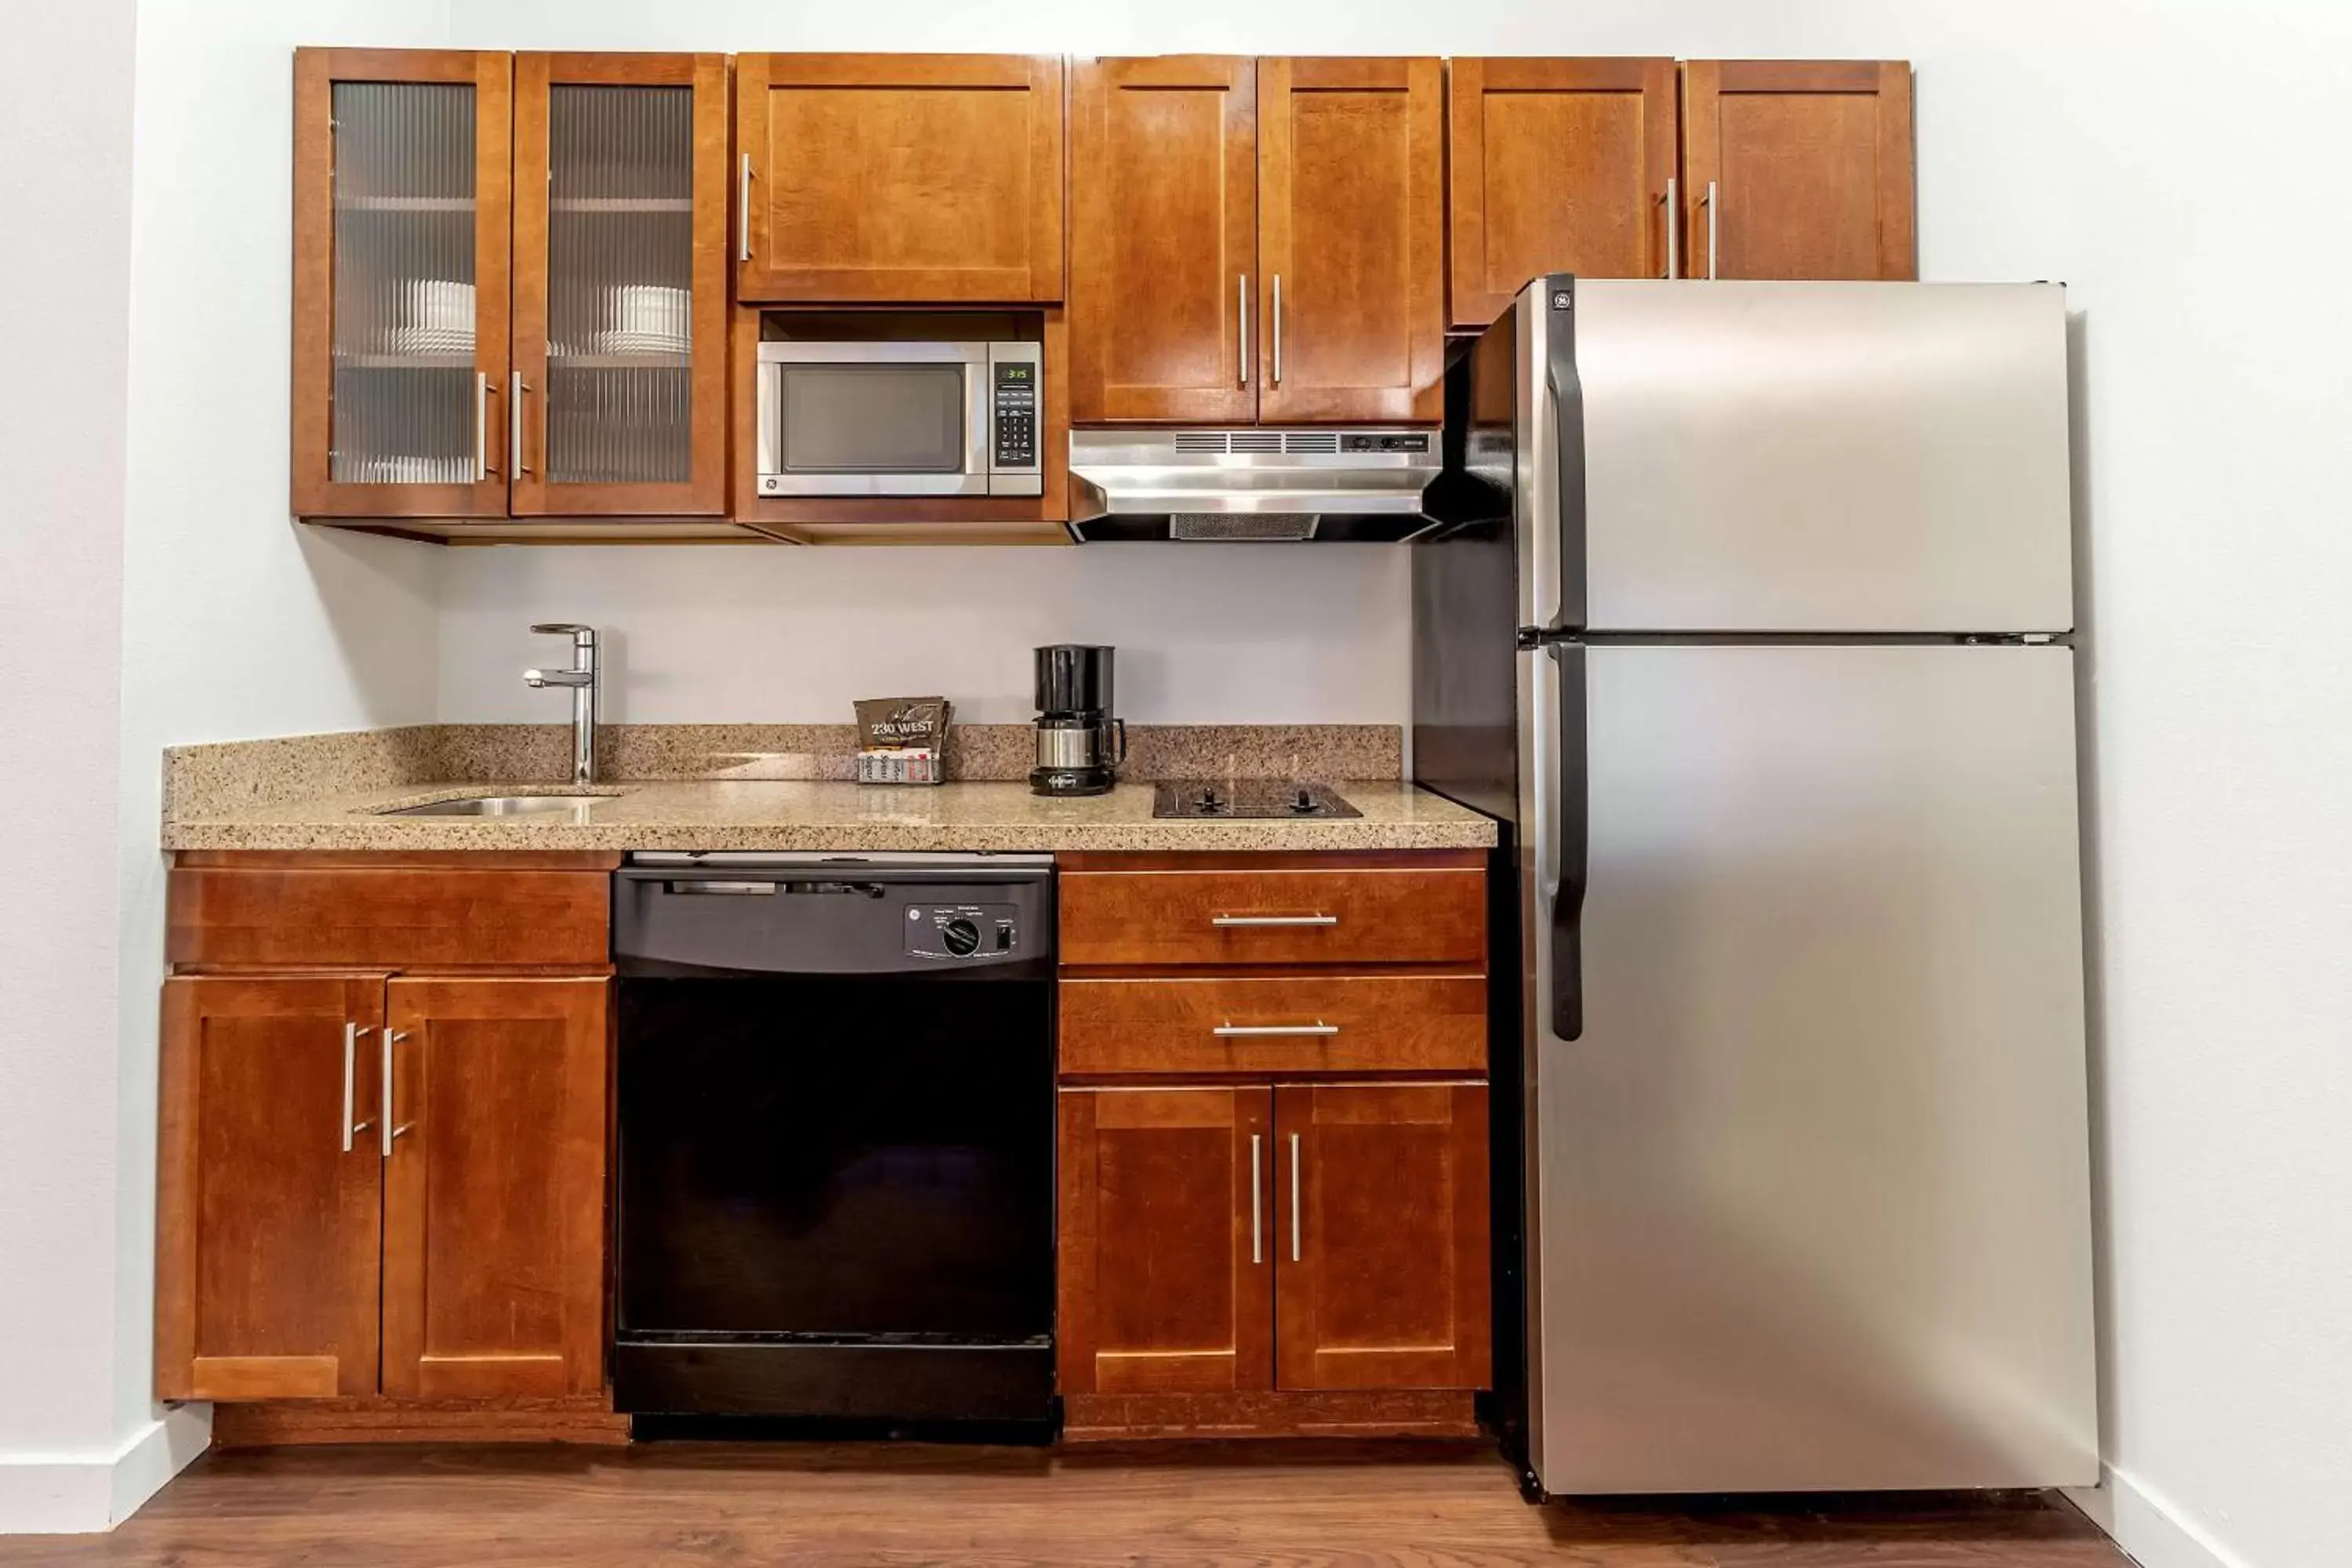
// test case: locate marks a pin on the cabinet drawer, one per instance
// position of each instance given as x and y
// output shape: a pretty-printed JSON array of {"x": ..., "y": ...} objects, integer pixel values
[
  {"x": 1275, "y": 1023},
  {"x": 390, "y": 917},
  {"x": 1229, "y": 917}
]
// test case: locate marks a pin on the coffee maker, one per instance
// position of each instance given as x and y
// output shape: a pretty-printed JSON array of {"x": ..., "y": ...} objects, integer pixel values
[{"x": 1078, "y": 742}]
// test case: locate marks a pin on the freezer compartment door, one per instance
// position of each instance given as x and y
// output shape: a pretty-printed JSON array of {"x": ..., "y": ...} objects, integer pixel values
[
  {"x": 1811, "y": 1189},
  {"x": 1824, "y": 457}
]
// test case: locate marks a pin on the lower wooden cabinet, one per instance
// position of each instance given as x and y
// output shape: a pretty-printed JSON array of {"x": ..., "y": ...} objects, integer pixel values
[
  {"x": 1167, "y": 1284},
  {"x": 302, "y": 1253},
  {"x": 268, "y": 1223},
  {"x": 1381, "y": 1277},
  {"x": 1303, "y": 1236}
]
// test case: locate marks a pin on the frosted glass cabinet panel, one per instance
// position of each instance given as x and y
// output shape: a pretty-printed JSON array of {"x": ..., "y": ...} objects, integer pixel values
[
  {"x": 401, "y": 283},
  {"x": 618, "y": 389}
]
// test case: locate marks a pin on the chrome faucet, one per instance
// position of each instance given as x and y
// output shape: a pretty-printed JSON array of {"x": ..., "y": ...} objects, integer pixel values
[{"x": 581, "y": 680}]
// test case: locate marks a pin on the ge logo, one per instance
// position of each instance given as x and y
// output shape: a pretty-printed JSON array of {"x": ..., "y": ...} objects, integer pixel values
[{"x": 1559, "y": 299}]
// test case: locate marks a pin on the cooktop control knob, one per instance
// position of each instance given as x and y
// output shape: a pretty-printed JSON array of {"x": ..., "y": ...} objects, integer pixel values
[
  {"x": 1302, "y": 800},
  {"x": 962, "y": 936}
]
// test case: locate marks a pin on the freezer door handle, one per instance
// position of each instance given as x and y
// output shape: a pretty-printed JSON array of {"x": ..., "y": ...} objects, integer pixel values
[
  {"x": 1564, "y": 392},
  {"x": 1573, "y": 846}
]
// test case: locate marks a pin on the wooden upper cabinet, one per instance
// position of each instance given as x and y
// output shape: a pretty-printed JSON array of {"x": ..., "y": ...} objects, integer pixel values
[
  {"x": 494, "y": 1193},
  {"x": 1163, "y": 238},
  {"x": 1165, "y": 1250},
  {"x": 1383, "y": 1258},
  {"x": 911, "y": 178},
  {"x": 1810, "y": 166},
  {"x": 401, "y": 170},
  {"x": 267, "y": 1248},
  {"x": 1352, "y": 226},
  {"x": 617, "y": 401},
  {"x": 1557, "y": 166}
]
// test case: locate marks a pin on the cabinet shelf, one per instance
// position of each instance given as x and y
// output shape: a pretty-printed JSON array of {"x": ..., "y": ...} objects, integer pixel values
[
  {"x": 622, "y": 205},
  {"x": 405, "y": 203},
  {"x": 664, "y": 361},
  {"x": 404, "y": 361}
]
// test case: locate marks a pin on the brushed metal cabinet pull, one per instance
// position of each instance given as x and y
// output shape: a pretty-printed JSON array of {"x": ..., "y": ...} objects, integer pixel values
[
  {"x": 481, "y": 425},
  {"x": 1674, "y": 227},
  {"x": 1278, "y": 329},
  {"x": 1258, "y": 1206},
  {"x": 385, "y": 1130},
  {"x": 351, "y": 1066},
  {"x": 743, "y": 211},
  {"x": 1711, "y": 207},
  {"x": 1294, "y": 1198},
  {"x": 1245, "y": 1031},
  {"x": 1315, "y": 920},
  {"x": 516, "y": 387},
  {"x": 1241, "y": 296}
]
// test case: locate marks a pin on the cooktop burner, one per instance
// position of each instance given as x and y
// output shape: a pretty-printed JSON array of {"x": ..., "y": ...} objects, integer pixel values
[{"x": 1247, "y": 798}]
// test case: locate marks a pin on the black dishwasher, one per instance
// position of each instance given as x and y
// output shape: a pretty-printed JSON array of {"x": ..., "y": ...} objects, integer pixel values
[{"x": 836, "y": 1137}]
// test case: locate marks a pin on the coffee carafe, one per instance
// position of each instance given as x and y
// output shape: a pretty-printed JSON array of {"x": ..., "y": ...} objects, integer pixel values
[{"x": 1079, "y": 744}]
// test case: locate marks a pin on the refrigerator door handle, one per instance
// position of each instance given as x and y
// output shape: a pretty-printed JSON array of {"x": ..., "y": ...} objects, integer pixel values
[
  {"x": 1565, "y": 394},
  {"x": 1573, "y": 846}
]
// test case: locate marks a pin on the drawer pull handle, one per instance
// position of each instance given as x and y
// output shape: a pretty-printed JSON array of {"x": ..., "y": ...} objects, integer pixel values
[
  {"x": 1231, "y": 1031},
  {"x": 1294, "y": 1198},
  {"x": 1274, "y": 920}
]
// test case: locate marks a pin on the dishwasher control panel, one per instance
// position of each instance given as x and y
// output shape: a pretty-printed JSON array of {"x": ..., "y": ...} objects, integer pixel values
[{"x": 963, "y": 931}]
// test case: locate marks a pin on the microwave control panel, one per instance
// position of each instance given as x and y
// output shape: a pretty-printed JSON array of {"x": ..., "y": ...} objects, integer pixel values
[{"x": 1013, "y": 376}]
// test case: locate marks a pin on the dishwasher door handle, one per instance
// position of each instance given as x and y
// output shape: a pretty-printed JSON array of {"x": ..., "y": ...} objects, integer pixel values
[{"x": 731, "y": 889}]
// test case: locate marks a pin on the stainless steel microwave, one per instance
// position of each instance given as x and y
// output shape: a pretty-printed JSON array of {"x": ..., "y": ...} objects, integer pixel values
[{"x": 894, "y": 419}]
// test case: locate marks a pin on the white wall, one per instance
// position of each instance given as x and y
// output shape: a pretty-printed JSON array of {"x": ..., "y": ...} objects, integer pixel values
[
  {"x": 65, "y": 182},
  {"x": 157, "y": 594},
  {"x": 795, "y": 636}
]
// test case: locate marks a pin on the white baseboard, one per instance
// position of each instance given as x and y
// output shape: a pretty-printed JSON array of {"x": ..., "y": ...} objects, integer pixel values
[
  {"x": 2141, "y": 1522},
  {"x": 83, "y": 1494}
]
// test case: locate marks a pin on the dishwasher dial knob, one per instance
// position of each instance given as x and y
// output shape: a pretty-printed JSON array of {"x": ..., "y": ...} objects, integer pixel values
[{"x": 962, "y": 936}]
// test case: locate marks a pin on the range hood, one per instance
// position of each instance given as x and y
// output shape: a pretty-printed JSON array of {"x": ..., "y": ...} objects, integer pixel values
[{"x": 1252, "y": 483}]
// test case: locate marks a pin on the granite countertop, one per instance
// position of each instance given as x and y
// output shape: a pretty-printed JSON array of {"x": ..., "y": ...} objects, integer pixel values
[{"x": 781, "y": 815}]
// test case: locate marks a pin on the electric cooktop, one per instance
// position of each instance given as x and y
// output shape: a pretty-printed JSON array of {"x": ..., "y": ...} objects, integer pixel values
[{"x": 1247, "y": 798}]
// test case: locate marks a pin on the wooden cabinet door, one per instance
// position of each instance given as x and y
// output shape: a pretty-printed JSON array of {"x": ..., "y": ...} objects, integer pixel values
[
  {"x": 1799, "y": 169},
  {"x": 617, "y": 405},
  {"x": 494, "y": 1193},
  {"x": 1166, "y": 1247},
  {"x": 1351, "y": 225},
  {"x": 1163, "y": 238},
  {"x": 268, "y": 1204},
  {"x": 1383, "y": 1220},
  {"x": 1556, "y": 165},
  {"x": 916, "y": 178},
  {"x": 402, "y": 158}
]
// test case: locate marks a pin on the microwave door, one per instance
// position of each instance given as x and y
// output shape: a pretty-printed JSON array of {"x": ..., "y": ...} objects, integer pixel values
[{"x": 873, "y": 419}]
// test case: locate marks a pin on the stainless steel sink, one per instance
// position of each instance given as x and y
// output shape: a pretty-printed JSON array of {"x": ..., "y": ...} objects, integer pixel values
[{"x": 500, "y": 805}]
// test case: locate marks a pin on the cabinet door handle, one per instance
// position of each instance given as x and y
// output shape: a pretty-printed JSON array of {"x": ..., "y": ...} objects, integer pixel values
[
  {"x": 352, "y": 1130},
  {"x": 1278, "y": 329},
  {"x": 1274, "y": 920},
  {"x": 516, "y": 387},
  {"x": 481, "y": 425},
  {"x": 1257, "y": 1207},
  {"x": 385, "y": 1130},
  {"x": 1711, "y": 228},
  {"x": 1674, "y": 227},
  {"x": 1252, "y": 1031},
  {"x": 743, "y": 211},
  {"x": 1294, "y": 1198},
  {"x": 1242, "y": 297}
]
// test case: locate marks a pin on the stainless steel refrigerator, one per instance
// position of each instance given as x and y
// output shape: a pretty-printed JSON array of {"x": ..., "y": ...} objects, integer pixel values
[{"x": 1749, "y": 618}]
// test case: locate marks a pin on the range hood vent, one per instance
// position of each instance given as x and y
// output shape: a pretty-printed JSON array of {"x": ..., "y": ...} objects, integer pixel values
[{"x": 1252, "y": 483}]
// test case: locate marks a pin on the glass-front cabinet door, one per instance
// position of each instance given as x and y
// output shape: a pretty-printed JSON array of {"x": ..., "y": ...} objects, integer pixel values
[
  {"x": 616, "y": 398},
  {"x": 401, "y": 226}
]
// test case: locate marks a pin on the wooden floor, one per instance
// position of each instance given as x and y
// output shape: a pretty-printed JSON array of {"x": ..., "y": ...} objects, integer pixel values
[{"x": 1200, "y": 1506}]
